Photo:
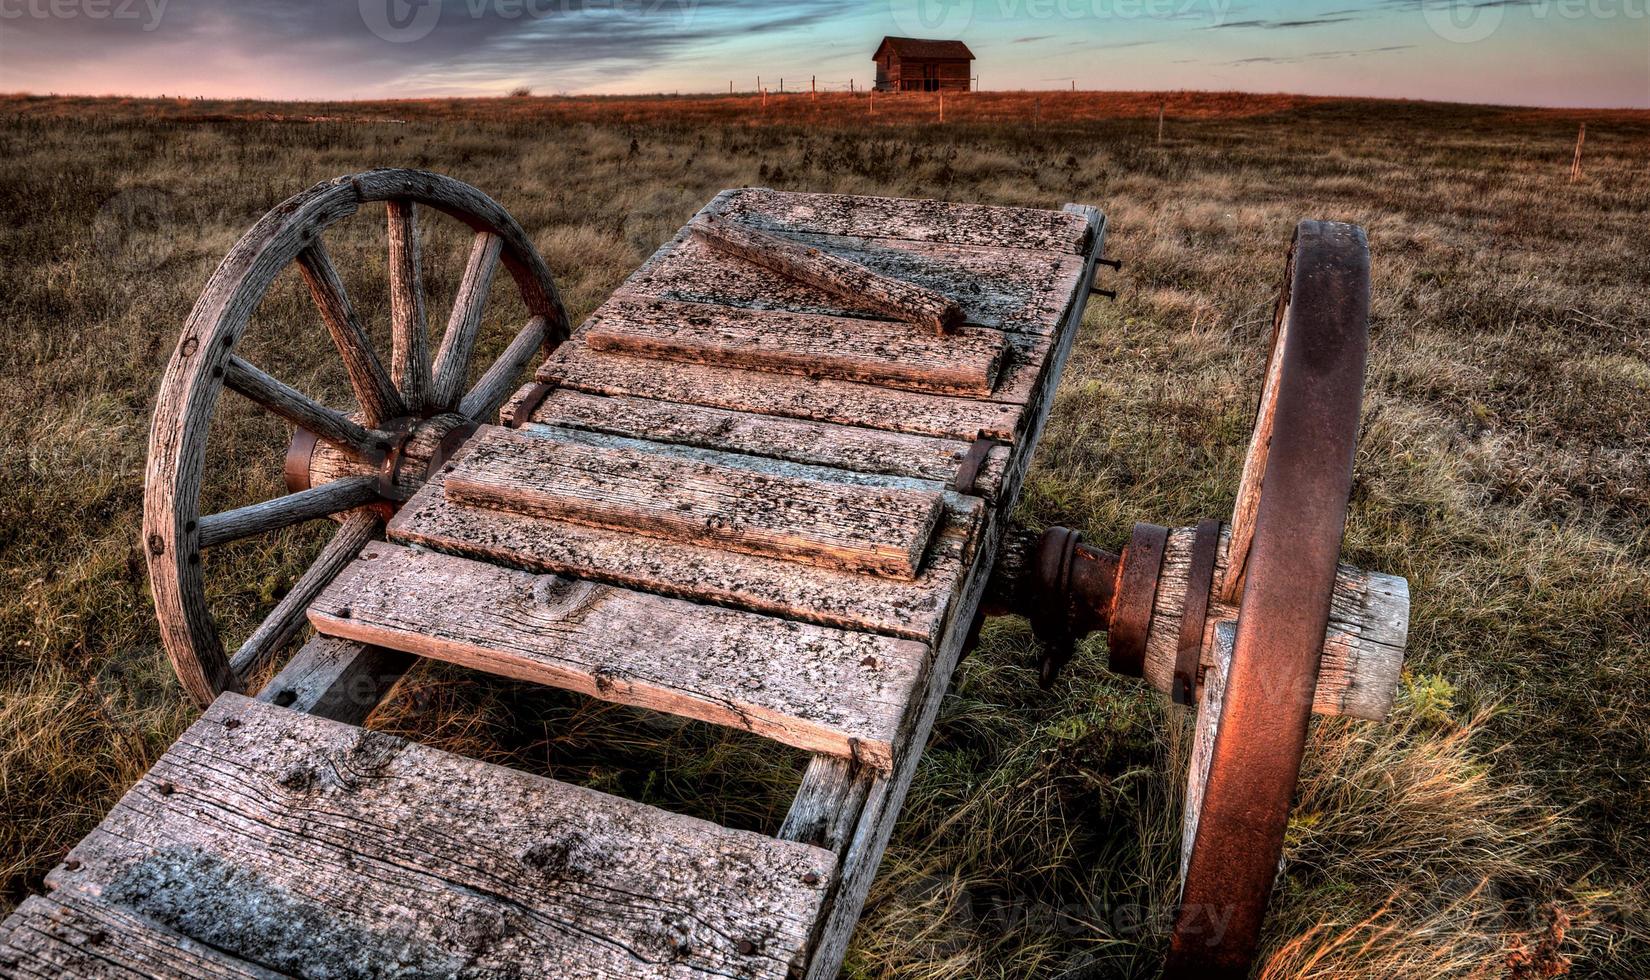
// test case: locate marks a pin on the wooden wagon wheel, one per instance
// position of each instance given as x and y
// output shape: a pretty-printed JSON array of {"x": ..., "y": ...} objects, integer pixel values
[
  {"x": 360, "y": 463},
  {"x": 1281, "y": 567}
]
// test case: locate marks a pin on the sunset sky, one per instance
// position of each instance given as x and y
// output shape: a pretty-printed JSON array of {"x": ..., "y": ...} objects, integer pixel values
[{"x": 1535, "y": 52}]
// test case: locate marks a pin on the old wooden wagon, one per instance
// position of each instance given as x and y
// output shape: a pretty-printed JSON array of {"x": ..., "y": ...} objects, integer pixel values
[{"x": 765, "y": 485}]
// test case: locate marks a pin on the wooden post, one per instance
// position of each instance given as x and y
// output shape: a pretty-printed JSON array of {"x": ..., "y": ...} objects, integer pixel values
[
  {"x": 942, "y": 106},
  {"x": 813, "y": 87},
  {"x": 1074, "y": 85},
  {"x": 730, "y": 86},
  {"x": 1575, "y": 165},
  {"x": 764, "y": 98},
  {"x": 1036, "y": 113},
  {"x": 1160, "y": 107}
]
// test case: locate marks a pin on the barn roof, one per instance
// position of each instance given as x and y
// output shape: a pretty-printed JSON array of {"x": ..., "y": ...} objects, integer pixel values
[{"x": 918, "y": 47}]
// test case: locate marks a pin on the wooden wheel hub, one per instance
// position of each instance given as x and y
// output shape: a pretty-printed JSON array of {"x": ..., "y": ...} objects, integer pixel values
[{"x": 417, "y": 450}]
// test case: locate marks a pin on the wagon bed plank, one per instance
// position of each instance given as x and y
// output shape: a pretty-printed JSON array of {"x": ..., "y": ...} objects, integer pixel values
[
  {"x": 297, "y": 843},
  {"x": 892, "y": 607},
  {"x": 1010, "y": 289},
  {"x": 814, "y": 687},
  {"x": 881, "y": 352},
  {"x": 883, "y": 530},
  {"x": 846, "y": 447},
  {"x": 67, "y": 936},
  {"x": 577, "y": 367},
  {"x": 940, "y": 222}
]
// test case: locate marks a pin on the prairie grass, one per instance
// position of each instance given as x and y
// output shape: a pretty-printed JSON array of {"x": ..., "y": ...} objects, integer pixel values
[{"x": 1498, "y": 826}]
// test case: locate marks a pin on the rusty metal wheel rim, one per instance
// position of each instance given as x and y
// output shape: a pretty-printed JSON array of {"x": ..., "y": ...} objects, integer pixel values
[
  {"x": 1287, "y": 530},
  {"x": 204, "y": 362}
]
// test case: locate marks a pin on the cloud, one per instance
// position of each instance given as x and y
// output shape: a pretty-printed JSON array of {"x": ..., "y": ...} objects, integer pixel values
[
  {"x": 1317, "y": 56},
  {"x": 1339, "y": 17},
  {"x": 1034, "y": 37}
]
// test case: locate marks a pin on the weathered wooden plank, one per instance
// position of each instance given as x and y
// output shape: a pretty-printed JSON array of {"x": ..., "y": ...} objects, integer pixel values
[
  {"x": 576, "y": 366},
  {"x": 893, "y": 607},
  {"x": 1010, "y": 289},
  {"x": 799, "y": 441},
  {"x": 304, "y": 412},
  {"x": 901, "y": 218},
  {"x": 311, "y": 847},
  {"x": 815, "y": 687},
  {"x": 874, "y": 812},
  {"x": 67, "y": 937},
  {"x": 894, "y": 298},
  {"x": 883, "y": 530},
  {"x": 894, "y": 355}
]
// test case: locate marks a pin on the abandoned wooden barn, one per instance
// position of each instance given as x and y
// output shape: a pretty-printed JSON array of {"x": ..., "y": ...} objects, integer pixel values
[{"x": 913, "y": 64}]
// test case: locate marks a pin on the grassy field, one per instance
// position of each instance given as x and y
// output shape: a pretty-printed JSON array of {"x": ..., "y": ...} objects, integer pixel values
[{"x": 1499, "y": 826}]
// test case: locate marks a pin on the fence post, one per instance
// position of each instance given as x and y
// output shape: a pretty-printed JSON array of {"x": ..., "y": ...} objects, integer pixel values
[
  {"x": 942, "y": 105},
  {"x": 1575, "y": 165}
]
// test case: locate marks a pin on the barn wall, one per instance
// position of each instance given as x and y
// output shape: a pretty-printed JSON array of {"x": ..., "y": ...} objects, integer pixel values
[{"x": 908, "y": 74}]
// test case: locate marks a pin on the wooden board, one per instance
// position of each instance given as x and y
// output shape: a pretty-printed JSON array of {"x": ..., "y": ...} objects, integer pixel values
[
  {"x": 68, "y": 936},
  {"x": 1010, "y": 289},
  {"x": 845, "y": 447},
  {"x": 940, "y": 222},
  {"x": 831, "y": 597},
  {"x": 309, "y": 846},
  {"x": 814, "y": 687},
  {"x": 880, "y": 352},
  {"x": 577, "y": 367},
  {"x": 882, "y": 530}
]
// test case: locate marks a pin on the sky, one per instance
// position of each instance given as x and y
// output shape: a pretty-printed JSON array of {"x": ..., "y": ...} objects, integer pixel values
[{"x": 1527, "y": 52}]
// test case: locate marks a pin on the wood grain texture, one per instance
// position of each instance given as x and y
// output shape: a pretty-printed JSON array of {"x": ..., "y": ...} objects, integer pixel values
[
  {"x": 1203, "y": 737},
  {"x": 882, "y": 530},
  {"x": 70, "y": 937},
  {"x": 310, "y": 847},
  {"x": 893, "y": 355},
  {"x": 452, "y": 361},
  {"x": 287, "y": 618},
  {"x": 894, "y": 298},
  {"x": 577, "y": 367},
  {"x": 939, "y": 222},
  {"x": 1009, "y": 289},
  {"x": 1247, "y": 505},
  {"x": 795, "y": 440},
  {"x": 873, "y": 813},
  {"x": 304, "y": 412},
  {"x": 409, "y": 327},
  {"x": 337, "y": 679},
  {"x": 813, "y": 687},
  {"x": 294, "y": 508},
  {"x": 911, "y": 609},
  {"x": 1363, "y": 650},
  {"x": 374, "y": 391}
]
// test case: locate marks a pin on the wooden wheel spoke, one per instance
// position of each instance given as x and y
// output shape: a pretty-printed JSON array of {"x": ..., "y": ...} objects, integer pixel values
[
  {"x": 304, "y": 412},
  {"x": 490, "y": 392},
  {"x": 373, "y": 389},
  {"x": 294, "y": 508},
  {"x": 1254, "y": 474},
  {"x": 410, "y": 359},
  {"x": 452, "y": 362},
  {"x": 288, "y": 616}
]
